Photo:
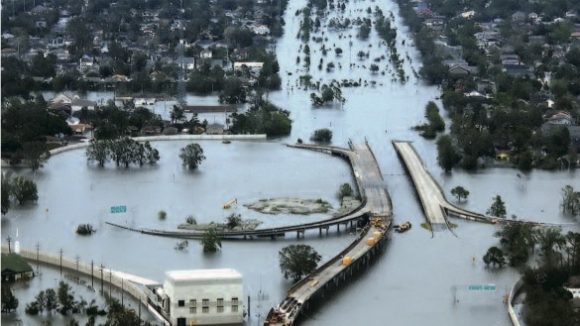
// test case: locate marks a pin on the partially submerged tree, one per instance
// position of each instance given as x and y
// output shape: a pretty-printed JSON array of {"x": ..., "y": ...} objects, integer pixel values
[
  {"x": 162, "y": 214},
  {"x": 497, "y": 208},
  {"x": 23, "y": 190},
  {"x": 345, "y": 190},
  {"x": 192, "y": 155},
  {"x": 211, "y": 241},
  {"x": 494, "y": 257},
  {"x": 65, "y": 297},
  {"x": 447, "y": 156},
  {"x": 9, "y": 301},
  {"x": 85, "y": 229},
  {"x": 297, "y": 261},
  {"x": 6, "y": 190},
  {"x": 459, "y": 192},
  {"x": 233, "y": 221},
  {"x": 570, "y": 201},
  {"x": 322, "y": 135}
]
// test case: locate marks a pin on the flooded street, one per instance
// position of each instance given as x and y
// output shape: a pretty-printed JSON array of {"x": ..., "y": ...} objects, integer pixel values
[{"x": 420, "y": 279}]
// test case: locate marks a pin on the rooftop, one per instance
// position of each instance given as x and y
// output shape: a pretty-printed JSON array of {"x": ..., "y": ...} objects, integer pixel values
[
  {"x": 203, "y": 274},
  {"x": 13, "y": 262}
]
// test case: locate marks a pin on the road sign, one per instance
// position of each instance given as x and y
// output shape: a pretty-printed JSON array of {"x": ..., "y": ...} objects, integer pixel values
[
  {"x": 118, "y": 209},
  {"x": 481, "y": 287}
]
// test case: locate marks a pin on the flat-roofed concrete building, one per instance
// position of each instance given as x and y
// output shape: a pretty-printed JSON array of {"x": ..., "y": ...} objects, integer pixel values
[{"x": 204, "y": 297}]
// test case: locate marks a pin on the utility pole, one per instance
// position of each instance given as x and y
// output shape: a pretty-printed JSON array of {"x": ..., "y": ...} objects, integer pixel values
[
  {"x": 102, "y": 279},
  {"x": 77, "y": 258},
  {"x": 92, "y": 278},
  {"x": 60, "y": 262},
  {"x": 122, "y": 293},
  {"x": 9, "y": 239},
  {"x": 37, "y": 255}
]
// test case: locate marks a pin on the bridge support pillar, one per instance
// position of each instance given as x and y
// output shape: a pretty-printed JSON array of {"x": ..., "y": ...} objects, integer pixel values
[{"x": 338, "y": 228}]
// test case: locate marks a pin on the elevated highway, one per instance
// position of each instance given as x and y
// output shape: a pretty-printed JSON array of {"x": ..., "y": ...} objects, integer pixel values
[
  {"x": 435, "y": 206},
  {"x": 369, "y": 183},
  {"x": 356, "y": 257}
]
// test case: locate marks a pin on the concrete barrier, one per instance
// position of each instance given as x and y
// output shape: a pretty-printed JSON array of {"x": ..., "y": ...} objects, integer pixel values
[{"x": 511, "y": 311}]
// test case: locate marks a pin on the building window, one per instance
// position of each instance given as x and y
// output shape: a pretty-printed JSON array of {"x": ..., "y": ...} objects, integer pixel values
[
  {"x": 235, "y": 304},
  {"x": 192, "y": 310},
  {"x": 205, "y": 306},
  {"x": 220, "y": 305},
  {"x": 181, "y": 303},
  {"x": 193, "y": 303}
]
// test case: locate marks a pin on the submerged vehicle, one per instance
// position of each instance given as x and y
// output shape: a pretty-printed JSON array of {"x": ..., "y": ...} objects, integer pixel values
[{"x": 403, "y": 227}]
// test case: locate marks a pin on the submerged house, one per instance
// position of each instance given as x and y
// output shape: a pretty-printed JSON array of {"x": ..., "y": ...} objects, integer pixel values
[{"x": 15, "y": 268}]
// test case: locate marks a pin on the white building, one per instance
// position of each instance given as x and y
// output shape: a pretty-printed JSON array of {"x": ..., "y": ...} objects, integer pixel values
[{"x": 204, "y": 297}]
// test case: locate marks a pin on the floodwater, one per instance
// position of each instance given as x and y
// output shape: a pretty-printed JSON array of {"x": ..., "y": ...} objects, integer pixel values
[{"x": 421, "y": 278}]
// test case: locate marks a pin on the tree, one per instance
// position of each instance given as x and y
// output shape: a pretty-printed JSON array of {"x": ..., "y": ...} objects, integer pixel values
[
  {"x": 9, "y": 301},
  {"x": 262, "y": 117},
  {"x": 297, "y": 261},
  {"x": 447, "y": 156},
  {"x": 177, "y": 114},
  {"x": 211, "y": 240},
  {"x": 233, "y": 92},
  {"x": 345, "y": 190},
  {"x": 118, "y": 315},
  {"x": 494, "y": 257},
  {"x": 517, "y": 240},
  {"x": 570, "y": 201},
  {"x": 338, "y": 51},
  {"x": 6, "y": 190},
  {"x": 65, "y": 297},
  {"x": 322, "y": 136},
  {"x": 98, "y": 151},
  {"x": 233, "y": 221},
  {"x": 23, "y": 190},
  {"x": 460, "y": 192},
  {"x": 85, "y": 229},
  {"x": 36, "y": 153},
  {"x": 192, "y": 155},
  {"x": 497, "y": 208},
  {"x": 50, "y": 300},
  {"x": 552, "y": 241},
  {"x": 151, "y": 154},
  {"x": 162, "y": 215}
]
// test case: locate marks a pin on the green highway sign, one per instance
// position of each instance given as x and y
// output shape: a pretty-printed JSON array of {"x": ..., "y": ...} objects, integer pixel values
[
  {"x": 118, "y": 209},
  {"x": 481, "y": 287}
]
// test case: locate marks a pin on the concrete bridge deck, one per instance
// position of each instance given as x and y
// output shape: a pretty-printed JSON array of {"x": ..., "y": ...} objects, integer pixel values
[
  {"x": 332, "y": 274},
  {"x": 369, "y": 183},
  {"x": 435, "y": 206}
]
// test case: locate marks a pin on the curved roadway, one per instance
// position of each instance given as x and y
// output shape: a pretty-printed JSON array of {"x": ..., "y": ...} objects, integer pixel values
[{"x": 369, "y": 183}]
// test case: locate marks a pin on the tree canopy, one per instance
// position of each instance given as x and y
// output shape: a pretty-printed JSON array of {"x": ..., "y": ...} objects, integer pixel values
[{"x": 297, "y": 261}]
